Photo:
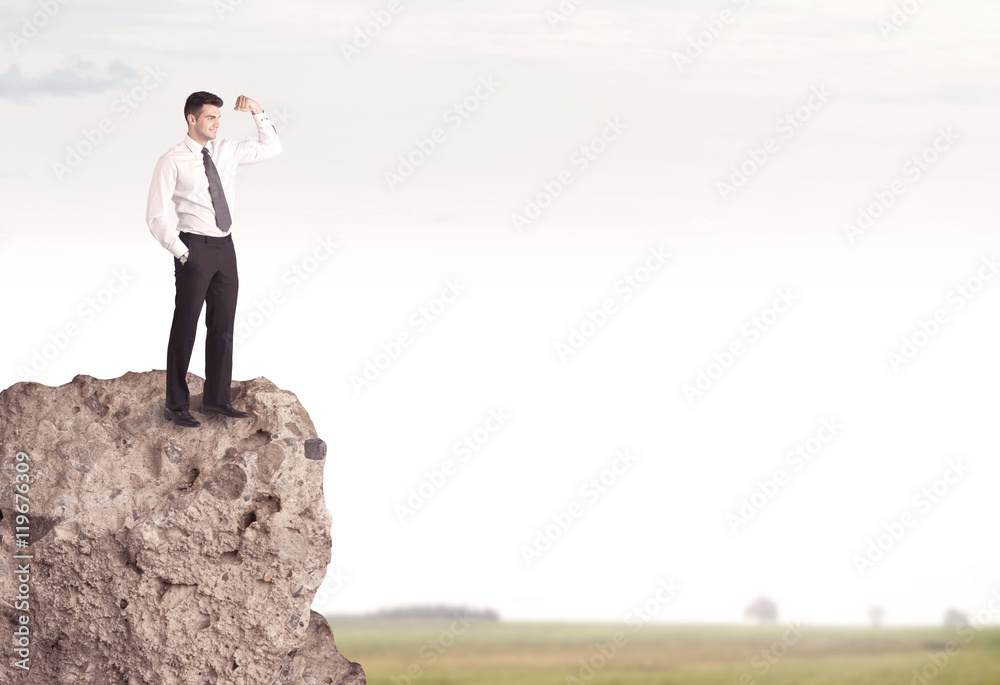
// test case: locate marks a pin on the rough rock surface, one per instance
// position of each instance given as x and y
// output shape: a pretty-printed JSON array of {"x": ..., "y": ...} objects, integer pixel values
[{"x": 164, "y": 555}]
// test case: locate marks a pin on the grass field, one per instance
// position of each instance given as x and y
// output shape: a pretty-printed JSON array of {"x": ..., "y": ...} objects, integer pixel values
[{"x": 409, "y": 652}]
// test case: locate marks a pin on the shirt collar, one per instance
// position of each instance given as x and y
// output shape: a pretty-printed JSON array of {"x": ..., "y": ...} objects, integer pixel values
[{"x": 194, "y": 146}]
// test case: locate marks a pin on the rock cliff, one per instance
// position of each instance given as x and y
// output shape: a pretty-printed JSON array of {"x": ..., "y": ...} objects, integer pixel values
[{"x": 134, "y": 551}]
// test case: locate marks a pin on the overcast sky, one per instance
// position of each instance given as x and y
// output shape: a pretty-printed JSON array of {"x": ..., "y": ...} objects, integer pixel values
[{"x": 572, "y": 217}]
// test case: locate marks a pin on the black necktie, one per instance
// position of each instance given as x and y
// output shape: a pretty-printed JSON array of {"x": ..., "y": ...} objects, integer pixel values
[{"x": 222, "y": 218}]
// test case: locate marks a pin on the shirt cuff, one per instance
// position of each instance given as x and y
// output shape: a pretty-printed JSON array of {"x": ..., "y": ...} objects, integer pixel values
[
  {"x": 262, "y": 119},
  {"x": 177, "y": 249}
]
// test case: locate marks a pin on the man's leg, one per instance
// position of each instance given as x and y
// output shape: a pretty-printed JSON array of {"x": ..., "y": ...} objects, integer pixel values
[
  {"x": 220, "y": 318},
  {"x": 191, "y": 280}
]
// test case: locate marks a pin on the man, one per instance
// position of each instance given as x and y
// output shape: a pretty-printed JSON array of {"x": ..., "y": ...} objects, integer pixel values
[{"x": 198, "y": 176}]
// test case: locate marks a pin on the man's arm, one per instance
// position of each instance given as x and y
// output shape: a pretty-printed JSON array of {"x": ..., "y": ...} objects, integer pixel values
[
  {"x": 161, "y": 191},
  {"x": 267, "y": 144}
]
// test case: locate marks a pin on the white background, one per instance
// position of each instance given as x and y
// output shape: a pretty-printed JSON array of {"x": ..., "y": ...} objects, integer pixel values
[{"x": 344, "y": 123}]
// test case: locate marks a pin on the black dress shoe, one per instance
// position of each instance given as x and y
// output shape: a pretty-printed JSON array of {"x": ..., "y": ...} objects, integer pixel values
[
  {"x": 181, "y": 418},
  {"x": 226, "y": 410}
]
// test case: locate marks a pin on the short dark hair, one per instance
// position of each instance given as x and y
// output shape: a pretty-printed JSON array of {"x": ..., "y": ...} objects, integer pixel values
[{"x": 196, "y": 100}]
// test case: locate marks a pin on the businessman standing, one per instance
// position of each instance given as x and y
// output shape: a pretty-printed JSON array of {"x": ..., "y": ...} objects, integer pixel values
[{"x": 198, "y": 177}]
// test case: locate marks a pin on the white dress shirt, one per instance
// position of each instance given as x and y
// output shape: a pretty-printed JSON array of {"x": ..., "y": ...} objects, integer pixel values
[{"x": 179, "y": 178}]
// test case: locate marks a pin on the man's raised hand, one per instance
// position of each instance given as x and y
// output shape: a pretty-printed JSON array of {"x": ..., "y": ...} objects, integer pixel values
[{"x": 245, "y": 104}]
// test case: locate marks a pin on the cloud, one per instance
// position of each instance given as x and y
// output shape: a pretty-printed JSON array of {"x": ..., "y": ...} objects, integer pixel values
[{"x": 77, "y": 77}]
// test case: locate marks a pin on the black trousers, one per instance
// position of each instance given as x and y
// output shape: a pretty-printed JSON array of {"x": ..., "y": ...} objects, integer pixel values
[{"x": 207, "y": 277}]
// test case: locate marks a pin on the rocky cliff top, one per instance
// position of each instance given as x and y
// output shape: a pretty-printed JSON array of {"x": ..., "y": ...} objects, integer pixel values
[{"x": 156, "y": 554}]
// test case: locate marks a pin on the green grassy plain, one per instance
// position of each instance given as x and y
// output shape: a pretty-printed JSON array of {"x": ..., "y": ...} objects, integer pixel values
[{"x": 412, "y": 652}]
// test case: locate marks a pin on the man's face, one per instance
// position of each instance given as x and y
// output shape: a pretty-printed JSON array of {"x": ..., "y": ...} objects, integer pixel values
[{"x": 207, "y": 124}]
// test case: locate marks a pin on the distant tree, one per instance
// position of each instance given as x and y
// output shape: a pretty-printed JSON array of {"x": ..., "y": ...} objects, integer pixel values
[
  {"x": 953, "y": 618},
  {"x": 876, "y": 613},
  {"x": 763, "y": 610}
]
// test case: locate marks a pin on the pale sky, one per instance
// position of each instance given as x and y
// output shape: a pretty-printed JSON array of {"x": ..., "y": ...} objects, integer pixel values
[{"x": 649, "y": 242}]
